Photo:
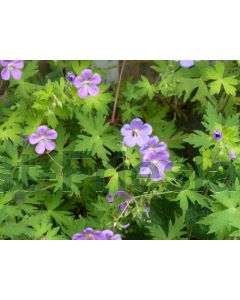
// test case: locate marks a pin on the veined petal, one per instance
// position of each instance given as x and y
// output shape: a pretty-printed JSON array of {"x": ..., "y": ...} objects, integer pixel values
[
  {"x": 141, "y": 139},
  {"x": 49, "y": 145},
  {"x": 52, "y": 134},
  {"x": 34, "y": 139},
  {"x": 96, "y": 79},
  {"x": 145, "y": 171},
  {"x": 86, "y": 74},
  {"x": 147, "y": 129},
  {"x": 83, "y": 92},
  {"x": 16, "y": 74},
  {"x": 129, "y": 141},
  {"x": 93, "y": 90},
  {"x": 4, "y": 63},
  {"x": 42, "y": 130},
  {"x": 40, "y": 148},
  {"x": 136, "y": 123},
  {"x": 126, "y": 130},
  {"x": 19, "y": 64},
  {"x": 5, "y": 74},
  {"x": 78, "y": 82}
]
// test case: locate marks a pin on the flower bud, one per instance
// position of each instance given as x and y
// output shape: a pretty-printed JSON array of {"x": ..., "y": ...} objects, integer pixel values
[
  {"x": 217, "y": 135},
  {"x": 70, "y": 76},
  {"x": 232, "y": 154}
]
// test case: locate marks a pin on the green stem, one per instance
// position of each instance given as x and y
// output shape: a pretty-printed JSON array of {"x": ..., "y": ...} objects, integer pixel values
[{"x": 54, "y": 161}]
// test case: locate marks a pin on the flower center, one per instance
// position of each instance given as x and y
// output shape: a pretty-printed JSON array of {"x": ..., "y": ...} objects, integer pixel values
[
  {"x": 135, "y": 132},
  {"x": 90, "y": 236},
  {"x": 86, "y": 83},
  {"x": 43, "y": 138},
  {"x": 155, "y": 162}
]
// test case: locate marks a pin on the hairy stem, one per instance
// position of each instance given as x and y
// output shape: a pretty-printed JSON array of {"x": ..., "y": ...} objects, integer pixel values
[{"x": 117, "y": 93}]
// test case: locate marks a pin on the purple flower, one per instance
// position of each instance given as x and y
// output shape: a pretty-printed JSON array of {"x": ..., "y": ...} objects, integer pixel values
[
  {"x": 91, "y": 234},
  {"x": 127, "y": 197},
  {"x": 87, "y": 84},
  {"x": 217, "y": 135},
  {"x": 186, "y": 63},
  {"x": 11, "y": 67},
  {"x": 109, "y": 235},
  {"x": 154, "y": 164},
  {"x": 70, "y": 76},
  {"x": 152, "y": 145},
  {"x": 43, "y": 138},
  {"x": 109, "y": 198},
  {"x": 232, "y": 154},
  {"x": 136, "y": 133}
]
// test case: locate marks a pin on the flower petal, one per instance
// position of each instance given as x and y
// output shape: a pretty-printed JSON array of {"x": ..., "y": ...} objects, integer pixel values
[
  {"x": 145, "y": 171},
  {"x": 96, "y": 79},
  {"x": 40, "y": 148},
  {"x": 136, "y": 123},
  {"x": 5, "y": 74},
  {"x": 34, "y": 139},
  {"x": 50, "y": 145},
  {"x": 107, "y": 234},
  {"x": 123, "y": 206},
  {"x": 147, "y": 129},
  {"x": 109, "y": 198},
  {"x": 116, "y": 237},
  {"x": 78, "y": 82},
  {"x": 126, "y": 130},
  {"x": 16, "y": 74},
  {"x": 129, "y": 141},
  {"x": 154, "y": 140},
  {"x": 83, "y": 92},
  {"x": 4, "y": 63},
  {"x": 141, "y": 139},
  {"x": 78, "y": 236},
  {"x": 42, "y": 130},
  {"x": 86, "y": 74},
  {"x": 93, "y": 90},
  {"x": 157, "y": 174},
  {"x": 52, "y": 134},
  {"x": 19, "y": 64}
]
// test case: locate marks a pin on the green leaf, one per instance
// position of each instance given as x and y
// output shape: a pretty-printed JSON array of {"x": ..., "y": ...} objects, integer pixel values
[
  {"x": 99, "y": 140},
  {"x": 146, "y": 88}
]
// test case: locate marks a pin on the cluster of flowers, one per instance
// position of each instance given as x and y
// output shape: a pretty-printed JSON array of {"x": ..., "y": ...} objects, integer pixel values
[
  {"x": 87, "y": 84},
  {"x": 127, "y": 198},
  {"x": 155, "y": 157},
  {"x": 217, "y": 135},
  {"x": 91, "y": 234},
  {"x": 11, "y": 67}
]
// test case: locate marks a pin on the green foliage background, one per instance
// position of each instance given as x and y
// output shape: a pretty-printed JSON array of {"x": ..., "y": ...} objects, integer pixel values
[{"x": 54, "y": 196}]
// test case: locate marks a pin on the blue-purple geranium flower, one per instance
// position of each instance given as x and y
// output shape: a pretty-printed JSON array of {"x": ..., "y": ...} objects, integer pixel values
[
  {"x": 136, "y": 133},
  {"x": 43, "y": 139},
  {"x": 186, "y": 63},
  {"x": 152, "y": 145},
  {"x": 217, "y": 135},
  {"x": 154, "y": 164},
  {"x": 91, "y": 234},
  {"x": 11, "y": 67},
  {"x": 87, "y": 84}
]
